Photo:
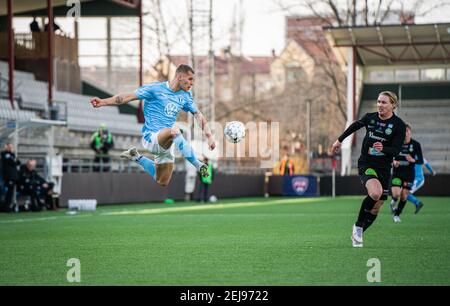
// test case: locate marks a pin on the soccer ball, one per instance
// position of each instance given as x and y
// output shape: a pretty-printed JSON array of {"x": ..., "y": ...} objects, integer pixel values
[{"x": 234, "y": 131}]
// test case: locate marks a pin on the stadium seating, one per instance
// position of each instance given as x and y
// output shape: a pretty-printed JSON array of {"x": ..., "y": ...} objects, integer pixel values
[
  {"x": 8, "y": 113},
  {"x": 82, "y": 119},
  {"x": 80, "y": 114},
  {"x": 20, "y": 75}
]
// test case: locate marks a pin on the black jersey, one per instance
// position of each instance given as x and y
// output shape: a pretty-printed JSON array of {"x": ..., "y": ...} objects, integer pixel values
[
  {"x": 9, "y": 166},
  {"x": 412, "y": 148},
  {"x": 390, "y": 132}
]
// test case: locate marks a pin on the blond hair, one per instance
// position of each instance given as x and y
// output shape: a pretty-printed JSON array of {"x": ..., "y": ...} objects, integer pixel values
[{"x": 392, "y": 97}]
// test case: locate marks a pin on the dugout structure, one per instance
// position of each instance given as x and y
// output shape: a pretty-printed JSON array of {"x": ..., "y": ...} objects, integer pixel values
[{"x": 409, "y": 59}]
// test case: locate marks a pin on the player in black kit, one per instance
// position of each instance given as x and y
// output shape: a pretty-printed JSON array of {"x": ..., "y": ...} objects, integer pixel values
[
  {"x": 404, "y": 173},
  {"x": 385, "y": 133}
]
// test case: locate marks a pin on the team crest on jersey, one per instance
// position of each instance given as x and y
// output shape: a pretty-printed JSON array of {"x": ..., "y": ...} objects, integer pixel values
[
  {"x": 411, "y": 148},
  {"x": 372, "y": 121},
  {"x": 388, "y": 131},
  {"x": 171, "y": 110}
]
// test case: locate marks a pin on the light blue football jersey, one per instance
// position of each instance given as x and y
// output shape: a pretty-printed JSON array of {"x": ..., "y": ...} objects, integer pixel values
[{"x": 162, "y": 105}]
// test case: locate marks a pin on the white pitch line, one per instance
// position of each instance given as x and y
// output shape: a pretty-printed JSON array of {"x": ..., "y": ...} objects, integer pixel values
[
  {"x": 38, "y": 219},
  {"x": 149, "y": 211}
]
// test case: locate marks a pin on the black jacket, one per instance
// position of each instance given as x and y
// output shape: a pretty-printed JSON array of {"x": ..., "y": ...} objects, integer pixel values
[
  {"x": 9, "y": 166},
  {"x": 29, "y": 179}
]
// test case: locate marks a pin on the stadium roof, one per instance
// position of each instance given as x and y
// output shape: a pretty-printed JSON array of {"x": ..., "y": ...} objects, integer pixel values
[
  {"x": 395, "y": 44},
  {"x": 89, "y": 8}
]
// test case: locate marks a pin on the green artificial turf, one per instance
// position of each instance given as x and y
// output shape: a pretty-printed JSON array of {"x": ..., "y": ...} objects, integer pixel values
[{"x": 275, "y": 241}]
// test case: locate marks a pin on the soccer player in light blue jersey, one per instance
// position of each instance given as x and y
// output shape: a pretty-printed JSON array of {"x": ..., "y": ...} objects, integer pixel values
[
  {"x": 419, "y": 180},
  {"x": 162, "y": 103}
]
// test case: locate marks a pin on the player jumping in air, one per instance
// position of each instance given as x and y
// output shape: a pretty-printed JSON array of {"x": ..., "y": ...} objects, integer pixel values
[
  {"x": 162, "y": 103},
  {"x": 385, "y": 133},
  {"x": 403, "y": 174}
]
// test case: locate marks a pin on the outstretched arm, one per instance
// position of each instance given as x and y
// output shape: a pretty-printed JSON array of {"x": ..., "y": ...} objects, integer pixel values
[
  {"x": 350, "y": 130},
  {"x": 118, "y": 99},
  {"x": 428, "y": 166},
  {"x": 201, "y": 120}
]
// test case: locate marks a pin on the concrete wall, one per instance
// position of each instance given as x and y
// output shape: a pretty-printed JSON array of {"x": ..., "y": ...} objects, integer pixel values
[
  {"x": 351, "y": 185},
  {"x": 115, "y": 188}
]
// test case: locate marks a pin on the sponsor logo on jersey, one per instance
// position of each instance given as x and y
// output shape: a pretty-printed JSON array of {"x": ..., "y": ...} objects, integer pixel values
[
  {"x": 374, "y": 152},
  {"x": 373, "y": 136},
  {"x": 171, "y": 110}
]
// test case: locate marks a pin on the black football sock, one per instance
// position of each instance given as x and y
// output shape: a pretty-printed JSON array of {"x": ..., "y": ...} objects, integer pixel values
[
  {"x": 369, "y": 220},
  {"x": 401, "y": 205},
  {"x": 367, "y": 204}
]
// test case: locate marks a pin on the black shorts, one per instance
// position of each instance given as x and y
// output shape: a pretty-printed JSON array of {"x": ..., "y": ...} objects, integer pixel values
[
  {"x": 367, "y": 172},
  {"x": 403, "y": 179}
]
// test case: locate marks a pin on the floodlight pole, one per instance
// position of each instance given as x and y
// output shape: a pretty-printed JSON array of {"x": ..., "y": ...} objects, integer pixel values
[
  {"x": 16, "y": 146},
  {"x": 50, "y": 51},
  {"x": 141, "y": 46},
  {"x": 191, "y": 57},
  {"x": 211, "y": 65},
  {"x": 140, "y": 111},
  {"x": 10, "y": 54}
]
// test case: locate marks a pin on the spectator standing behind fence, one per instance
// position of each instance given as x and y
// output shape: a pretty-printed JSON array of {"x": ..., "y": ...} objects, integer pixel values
[
  {"x": 34, "y": 26},
  {"x": 205, "y": 182},
  {"x": 56, "y": 28},
  {"x": 101, "y": 142},
  {"x": 286, "y": 166},
  {"x": 10, "y": 174}
]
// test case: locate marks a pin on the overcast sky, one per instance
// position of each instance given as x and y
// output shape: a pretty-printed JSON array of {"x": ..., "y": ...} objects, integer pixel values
[{"x": 263, "y": 28}]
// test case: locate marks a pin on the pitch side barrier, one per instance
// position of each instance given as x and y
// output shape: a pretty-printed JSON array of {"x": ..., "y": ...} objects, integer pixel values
[
  {"x": 437, "y": 185},
  {"x": 117, "y": 188}
]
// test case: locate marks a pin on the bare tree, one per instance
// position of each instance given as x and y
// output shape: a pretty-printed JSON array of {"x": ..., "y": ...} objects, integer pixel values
[
  {"x": 329, "y": 78},
  {"x": 159, "y": 29},
  {"x": 359, "y": 12}
]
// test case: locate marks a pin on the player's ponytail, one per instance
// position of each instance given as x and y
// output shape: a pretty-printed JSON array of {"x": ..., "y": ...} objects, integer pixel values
[{"x": 392, "y": 97}]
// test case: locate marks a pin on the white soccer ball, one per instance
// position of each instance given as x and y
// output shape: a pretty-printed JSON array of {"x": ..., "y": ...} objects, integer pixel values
[{"x": 234, "y": 131}]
